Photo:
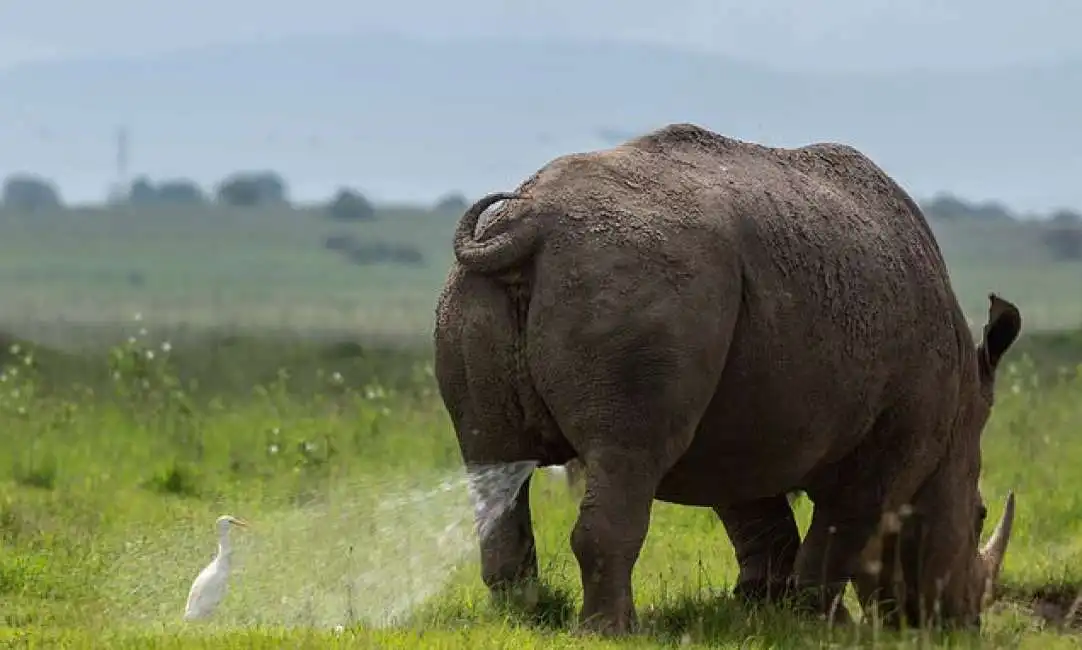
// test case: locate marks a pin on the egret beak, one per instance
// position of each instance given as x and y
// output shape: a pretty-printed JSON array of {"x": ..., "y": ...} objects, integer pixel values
[{"x": 239, "y": 522}]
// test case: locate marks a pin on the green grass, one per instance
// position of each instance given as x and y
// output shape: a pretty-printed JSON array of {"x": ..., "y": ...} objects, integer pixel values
[
  {"x": 267, "y": 268},
  {"x": 109, "y": 489},
  {"x": 204, "y": 268}
]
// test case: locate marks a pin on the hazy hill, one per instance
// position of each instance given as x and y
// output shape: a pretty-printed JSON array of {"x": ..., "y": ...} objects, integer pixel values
[{"x": 406, "y": 117}]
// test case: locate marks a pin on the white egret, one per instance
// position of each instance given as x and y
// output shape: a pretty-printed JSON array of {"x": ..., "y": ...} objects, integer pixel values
[{"x": 209, "y": 586}]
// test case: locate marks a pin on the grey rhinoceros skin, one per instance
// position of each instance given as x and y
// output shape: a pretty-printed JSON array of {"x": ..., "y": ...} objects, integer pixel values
[{"x": 716, "y": 323}]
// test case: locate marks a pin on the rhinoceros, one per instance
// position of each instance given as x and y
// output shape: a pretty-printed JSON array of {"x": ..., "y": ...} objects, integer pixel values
[{"x": 716, "y": 323}]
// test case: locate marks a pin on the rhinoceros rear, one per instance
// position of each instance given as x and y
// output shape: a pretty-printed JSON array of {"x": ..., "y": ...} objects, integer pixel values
[{"x": 714, "y": 323}]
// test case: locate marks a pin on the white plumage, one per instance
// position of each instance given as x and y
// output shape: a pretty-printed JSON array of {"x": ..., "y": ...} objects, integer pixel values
[{"x": 209, "y": 586}]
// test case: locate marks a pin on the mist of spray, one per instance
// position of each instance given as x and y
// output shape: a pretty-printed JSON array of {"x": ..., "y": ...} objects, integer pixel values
[{"x": 368, "y": 551}]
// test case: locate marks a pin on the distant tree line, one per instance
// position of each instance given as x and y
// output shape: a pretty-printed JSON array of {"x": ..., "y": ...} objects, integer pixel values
[
  {"x": 947, "y": 207},
  {"x": 31, "y": 193},
  {"x": 1062, "y": 234},
  {"x": 242, "y": 190}
]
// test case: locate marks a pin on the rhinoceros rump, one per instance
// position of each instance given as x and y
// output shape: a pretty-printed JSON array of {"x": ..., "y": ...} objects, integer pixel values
[{"x": 716, "y": 323}]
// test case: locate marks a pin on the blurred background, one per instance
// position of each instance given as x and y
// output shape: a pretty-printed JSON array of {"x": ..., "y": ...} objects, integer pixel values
[
  {"x": 224, "y": 225},
  {"x": 300, "y": 166}
]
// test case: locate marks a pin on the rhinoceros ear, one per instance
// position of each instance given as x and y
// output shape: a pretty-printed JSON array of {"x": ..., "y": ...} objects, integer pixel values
[{"x": 1004, "y": 324}]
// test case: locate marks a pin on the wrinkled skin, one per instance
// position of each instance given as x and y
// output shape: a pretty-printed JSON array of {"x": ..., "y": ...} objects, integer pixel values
[{"x": 714, "y": 323}]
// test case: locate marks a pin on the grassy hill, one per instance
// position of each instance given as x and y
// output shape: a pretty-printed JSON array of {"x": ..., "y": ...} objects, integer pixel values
[
  {"x": 64, "y": 275},
  {"x": 1010, "y": 258},
  {"x": 264, "y": 269}
]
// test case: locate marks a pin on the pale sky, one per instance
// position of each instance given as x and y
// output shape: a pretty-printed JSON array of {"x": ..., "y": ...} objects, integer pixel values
[
  {"x": 823, "y": 34},
  {"x": 62, "y": 130}
]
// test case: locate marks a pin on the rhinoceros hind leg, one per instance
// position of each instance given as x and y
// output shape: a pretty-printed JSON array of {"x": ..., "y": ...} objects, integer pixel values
[{"x": 613, "y": 519}]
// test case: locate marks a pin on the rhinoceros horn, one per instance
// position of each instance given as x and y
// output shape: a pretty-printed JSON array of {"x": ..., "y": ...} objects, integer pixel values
[{"x": 996, "y": 547}]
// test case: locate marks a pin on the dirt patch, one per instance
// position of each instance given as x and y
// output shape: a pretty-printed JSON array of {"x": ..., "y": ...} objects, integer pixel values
[{"x": 1057, "y": 604}]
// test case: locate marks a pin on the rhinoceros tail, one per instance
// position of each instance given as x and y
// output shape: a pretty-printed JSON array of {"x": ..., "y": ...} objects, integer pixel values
[{"x": 500, "y": 252}]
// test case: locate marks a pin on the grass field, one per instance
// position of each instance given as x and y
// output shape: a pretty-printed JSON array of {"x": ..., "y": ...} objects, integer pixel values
[
  {"x": 109, "y": 489},
  {"x": 325, "y": 432}
]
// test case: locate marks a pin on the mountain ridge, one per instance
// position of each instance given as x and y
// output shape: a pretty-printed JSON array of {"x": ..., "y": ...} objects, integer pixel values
[{"x": 397, "y": 115}]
